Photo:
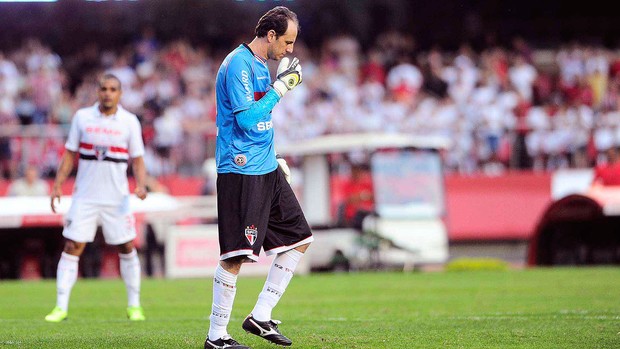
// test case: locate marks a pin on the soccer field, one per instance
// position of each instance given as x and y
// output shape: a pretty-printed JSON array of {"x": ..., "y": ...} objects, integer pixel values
[{"x": 532, "y": 308}]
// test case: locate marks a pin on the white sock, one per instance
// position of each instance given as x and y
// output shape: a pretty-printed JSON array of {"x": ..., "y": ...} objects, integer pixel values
[
  {"x": 278, "y": 279},
  {"x": 224, "y": 290},
  {"x": 130, "y": 272},
  {"x": 66, "y": 276}
]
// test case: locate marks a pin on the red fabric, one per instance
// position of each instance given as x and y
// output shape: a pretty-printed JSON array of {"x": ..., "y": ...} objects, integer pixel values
[
  {"x": 373, "y": 71},
  {"x": 521, "y": 111},
  {"x": 591, "y": 150},
  {"x": 358, "y": 196},
  {"x": 337, "y": 194},
  {"x": 491, "y": 208},
  {"x": 505, "y": 150},
  {"x": 608, "y": 174},
  {"x": 177, "y": 185},
  {"x": 614, "y": 69},
  {"x": 500, "y": 67}
]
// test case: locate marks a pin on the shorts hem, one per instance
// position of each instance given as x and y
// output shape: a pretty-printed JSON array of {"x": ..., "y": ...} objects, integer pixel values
[
  {"x": 246, "y": 253},
  {"x": 281, "y": 249},
  {"x": 80, "y": 240},
  {"x": 119, "y": 242}
]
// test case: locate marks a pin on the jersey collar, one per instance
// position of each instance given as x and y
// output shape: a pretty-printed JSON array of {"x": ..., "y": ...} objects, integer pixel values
[
  {"x": 260, "y": 59},
  {"x": 112, "y": 117}
]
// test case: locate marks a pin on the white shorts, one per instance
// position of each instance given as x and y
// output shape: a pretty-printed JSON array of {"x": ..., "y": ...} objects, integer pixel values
[{"x": 117, "y": 221}]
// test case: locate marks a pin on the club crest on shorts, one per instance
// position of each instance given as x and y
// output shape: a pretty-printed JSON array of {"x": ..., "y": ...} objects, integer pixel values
[
  {"x": 240, "y": 160},
  {"x": 251, "y": 233},
  {"x": 100, "y": 151}
]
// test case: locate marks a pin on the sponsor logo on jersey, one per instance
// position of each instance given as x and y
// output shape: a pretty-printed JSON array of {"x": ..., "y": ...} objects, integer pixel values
[
  {"x": 251, "y": 233},
  {"x": 245, "y": 80},
  {"x": 264, "y": 125},
  {"x": 100, "y": 151},
  {"x": 241, "y": 160},
  {"x": 103, "y": 130}
]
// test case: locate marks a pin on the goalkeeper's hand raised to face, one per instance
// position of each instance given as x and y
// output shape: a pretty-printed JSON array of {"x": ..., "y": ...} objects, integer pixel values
[{"x": 288, "y": 75}]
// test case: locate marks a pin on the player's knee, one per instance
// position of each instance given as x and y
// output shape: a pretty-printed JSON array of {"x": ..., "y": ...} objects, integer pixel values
[
  {"x": 233, "y": 264},
  {"x": 302, "y": 248},
  {"x": 125, "y": 248},
  {"x": 74, "y": 248}
]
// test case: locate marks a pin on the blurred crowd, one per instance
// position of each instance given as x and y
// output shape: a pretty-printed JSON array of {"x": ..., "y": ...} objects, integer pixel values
[{"x": 503, "y": 107}]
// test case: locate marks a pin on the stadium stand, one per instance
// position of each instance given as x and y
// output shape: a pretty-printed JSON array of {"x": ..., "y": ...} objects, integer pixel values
[{"x": 503, "y": 109}]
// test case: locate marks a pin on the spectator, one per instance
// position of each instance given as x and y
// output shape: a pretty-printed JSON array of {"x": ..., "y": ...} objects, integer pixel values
[
  {"x": 8, "y": 123},
  {"x": 522, "y": 75},
  {"x": 608, "y": 173},
  {"x": 359, "y": 200},
  {"x": 405, "y": 79},
  {"x": 30, "y": 185},
  {"x": 146, "y": 45}
]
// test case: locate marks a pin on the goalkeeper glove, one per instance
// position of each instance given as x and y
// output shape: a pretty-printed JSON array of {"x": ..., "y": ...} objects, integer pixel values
[
  {"x": 288, "y": 75},
  {"x": 284, "y": 167}
]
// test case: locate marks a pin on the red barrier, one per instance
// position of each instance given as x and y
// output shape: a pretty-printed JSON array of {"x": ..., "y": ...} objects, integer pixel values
[{"x": 496, "y": 208}]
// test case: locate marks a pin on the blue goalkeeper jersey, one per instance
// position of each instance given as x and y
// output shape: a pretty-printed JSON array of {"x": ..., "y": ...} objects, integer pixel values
[{"x": 243, "y": 79}]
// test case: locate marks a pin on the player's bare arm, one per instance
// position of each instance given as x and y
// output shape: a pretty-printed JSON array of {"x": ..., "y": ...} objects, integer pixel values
[
  {"x": 139, "y": 172},
  {"x": 64, "y": 169}
]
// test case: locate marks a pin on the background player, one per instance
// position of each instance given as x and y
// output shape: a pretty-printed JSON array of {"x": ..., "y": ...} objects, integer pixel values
[
  {"x": 105, "y": 136},
  {"x": 256, "y": 205}
]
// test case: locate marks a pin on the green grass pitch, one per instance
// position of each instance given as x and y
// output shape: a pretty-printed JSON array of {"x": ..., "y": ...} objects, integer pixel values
[{"x": 531, "y": 308}]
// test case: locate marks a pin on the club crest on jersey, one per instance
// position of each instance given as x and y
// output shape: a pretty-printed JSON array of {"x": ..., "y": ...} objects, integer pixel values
[
  {"x": 240, "y": 160},
  {"x": 251, "y": 233},
  {"x": 100, "y": 151}
]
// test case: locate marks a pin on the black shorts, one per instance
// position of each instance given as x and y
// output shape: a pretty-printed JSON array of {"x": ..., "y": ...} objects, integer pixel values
[{"x": 257, "y": 211}]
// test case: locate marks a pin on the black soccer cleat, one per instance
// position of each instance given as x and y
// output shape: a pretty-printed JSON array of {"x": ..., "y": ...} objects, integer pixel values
[
  {"x": 266, "y": 329},
  {"x": 225, "y": 342}
]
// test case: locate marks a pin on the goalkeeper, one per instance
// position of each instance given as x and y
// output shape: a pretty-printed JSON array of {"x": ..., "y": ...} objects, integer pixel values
[{"x": 256, "y": 205}]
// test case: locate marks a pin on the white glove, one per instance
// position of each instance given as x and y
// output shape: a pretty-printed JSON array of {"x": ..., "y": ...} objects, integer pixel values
[
  {"x": 285, "y": 169},
  {"x": 288, "y": 75}
]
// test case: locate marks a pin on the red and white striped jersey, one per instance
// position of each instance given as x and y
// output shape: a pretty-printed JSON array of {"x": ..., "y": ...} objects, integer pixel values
[{"x": 104, "y": 144}]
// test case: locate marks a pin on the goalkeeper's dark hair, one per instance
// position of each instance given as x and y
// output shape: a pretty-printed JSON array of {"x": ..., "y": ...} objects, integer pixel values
[
  {"x": 109, "y": 76},
  {"x": 275, "y": 19}
]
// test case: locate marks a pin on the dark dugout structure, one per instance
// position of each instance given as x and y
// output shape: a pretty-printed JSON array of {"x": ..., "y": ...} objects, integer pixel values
[{"x": 579, "y": 229}]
